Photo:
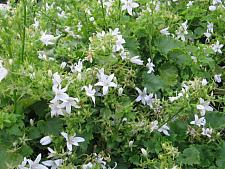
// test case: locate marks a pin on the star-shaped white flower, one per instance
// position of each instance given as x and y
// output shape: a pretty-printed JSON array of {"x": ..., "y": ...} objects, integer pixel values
[
  {"x": 35, "y": 164},
  {"x": 54, "y": 164},
  {"x": 207, "y": 132},
  {"x": 119, "y": 43},
  {"x": 141, "y": 95},
  {"x": 136, "y": 60},
  {"x": 150, "y": 66},
  {"x": 204, "y": 106},
  {"x": 3, "y": 71},
  {"x": 77, "y": 67},
  {"x": 72, "y": 140},
  {"x": 217, "y": 78},
  {"x": 129, "y": 5},
  {"x": 48, "y": 39},
  {"x": 154, "y": 126},
  {"x": 198, "y": 121},
  {"x": 217, "y": 47},
  {"x": 165, "y": 31},
  {"x": 56, "y": 109},
  {"x": 105, "y": 81},
  {"x": 164, "y": 129},
  {"x": 90, "y": 92},
  {"x": 60, "y": 93},
  {"x": 69, "y": 103}
]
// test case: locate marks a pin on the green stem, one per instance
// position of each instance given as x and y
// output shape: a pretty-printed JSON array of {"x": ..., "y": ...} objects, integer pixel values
[
  {"x": 103, "y": 13},
  {"x": 24, "y": 29}
]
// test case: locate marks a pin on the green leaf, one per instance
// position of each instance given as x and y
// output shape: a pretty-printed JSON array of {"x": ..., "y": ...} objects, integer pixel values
[
  {"x": 166, "y": 44},
  {"x": 152, "y": 83},
  {"x": 169, "y": 74},
  {"x": 216, "y": 120},
  {"x": 50, "y": 127},
  {"x": 9, "y": 159},
  {"x": 190, "y": 156},
  {"x": 221, "y": 157},
  {"x": 179, "y": 57}
]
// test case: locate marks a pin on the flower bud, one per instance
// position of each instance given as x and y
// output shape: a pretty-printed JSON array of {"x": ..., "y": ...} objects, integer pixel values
[
  {"x": 46, "y": 140},
  {"x": 144, "y": 152},
  {"x": 120, "y": 91},
  {"x": 131, "y": 143}
]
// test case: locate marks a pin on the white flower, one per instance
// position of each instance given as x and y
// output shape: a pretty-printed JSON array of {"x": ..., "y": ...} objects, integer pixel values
[
  {"x": 164, "y": 129},
  {"x": 42, "y": 55},
  {"x": 165, "y": 31},
  {"x": 217, "y": 78},
  {"x": 69, "y": 103},
  {"x": 217, "y": 47},
  {"x": 56, "y": 109},
  {"x": 144, "y": 152},
  {"x": 206, "y": 132},
  {"x": 150, "y": 66},
  {"x": 208, "y": 35},
  {"x": 60, "y": 93},
  {"x": 149, "y": 99},
  {"x": 92, "y": 19},
  {"x": 212, "y": 8},
  {"x": 119, "y": 43},
  {"x": 190, "y": 3},
  {"x": 46, "y": 140},
  {"x": 77, "y": 67},
  {"x": 54, "y": 164},
  {"x": 198, "y": 121},
  {"x": 88, "y": 166},
  {"x": 90, "y": 92},
  {"x": 72, "y": 140},
  {"x": 204, "y": 106},
  {"x": 56, "y": 79},
  {"x": 215, "y": 2},
  {"x": 79, "y": 26},
  {"x": 36, "y": 23},
  {"x": 3, "y": 71},
  {"x": 136, "y": 60},
  {"x": 204, "y": 82},
  {"x": 51, "y": 153},
  {"x": 4, "y": 7},
  {"x": 172, "y": 99},
  {"x": 182, "y": 31},
  {"x": 129, "y": 5},
  {"x": 141, "y": 95},
  {"x": 48, "y": 39},
  {"x": 123, "y": 55},
  {"x": 23, "y": 164},
  {"x": 63, "y": 65},
  {"x": 120, "y": 91},
  {"x": 210, "y": 27},
  {"x": 62, "y": 15},
  {"x": 194, "y": 59},
  {"x": 105, "y": 81},
  {"x": 35, "y": 164},
  {"x": 130, "y": 144},
  {"x": 154, "y": 126}
]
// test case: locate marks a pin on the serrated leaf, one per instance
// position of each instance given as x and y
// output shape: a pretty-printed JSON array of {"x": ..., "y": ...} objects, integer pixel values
[
  {"x": 179, "y": 57},
  {"x": 165, "y": 44},
  {"x": 216, "y": 120},
  {"x": 190, "y": 156},
  {"x": 169, "y": 74},
  {"x": 152, "y": 83}
]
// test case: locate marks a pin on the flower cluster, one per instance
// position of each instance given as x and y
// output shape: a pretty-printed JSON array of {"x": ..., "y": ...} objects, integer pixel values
[{"x": 62, "y": 103}]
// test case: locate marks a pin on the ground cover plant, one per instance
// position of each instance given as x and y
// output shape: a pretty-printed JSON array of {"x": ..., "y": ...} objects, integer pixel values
[{"x": 106, "y": 84}]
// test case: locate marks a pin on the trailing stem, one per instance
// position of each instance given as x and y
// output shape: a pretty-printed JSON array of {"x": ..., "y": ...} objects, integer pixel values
[
  {"x": 103, "y": 13},
  {"x": 24, "y": 29}
]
